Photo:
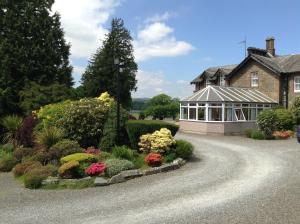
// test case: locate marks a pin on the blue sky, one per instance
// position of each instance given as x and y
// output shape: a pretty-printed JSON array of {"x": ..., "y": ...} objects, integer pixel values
[{"x": 175, "y": 40}]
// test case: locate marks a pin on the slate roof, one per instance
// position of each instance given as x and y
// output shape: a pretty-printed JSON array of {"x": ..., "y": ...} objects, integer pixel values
[
  {"x": 212, "y": 72},
  {"x": 229, "y": 94}
]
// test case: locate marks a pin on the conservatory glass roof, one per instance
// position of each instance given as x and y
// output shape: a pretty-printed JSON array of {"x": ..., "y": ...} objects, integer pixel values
[{"x": 229, "y": 94}]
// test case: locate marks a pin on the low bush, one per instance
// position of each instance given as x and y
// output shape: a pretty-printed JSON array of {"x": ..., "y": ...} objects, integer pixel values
[
  {"x": 258, "y": 135},
  {"x": 122, "y": 152},
  {"x": 7, "y": 162},
  {"x": 69, "y": 169},
  {"x": 80, "y": 157},
  {"x": 139, "y": 161},
  {"x": 23, "y": 167},
  {"x": 115, "y": 166},
  {"x": 92, "y": 150},
  {"x": 49, "y": 136},
  {"x": 159, "y": 141},
  {"x": 170, "y": 157},
  {"x": 183, "y": 149},
  {"x": 95, "y": 169},
  {"x": 63, "y": 148},
  {"x": 248, "y": 132},
  {"x": 21, "y": 153},
  {"x": 25, "y": 133},
  {"x": 153, "y": 159},
  {"x": 8, "y": 147},
  {"x": 104, "y": 156},
  {"x": 267, "y": 122},
  {"x": 285, "y": 120},
  {"x": 135, "y": 129},
  {"x": 33, "y": 179}
]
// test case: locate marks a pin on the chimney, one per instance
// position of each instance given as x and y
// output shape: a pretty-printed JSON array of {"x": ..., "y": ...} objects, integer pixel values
[{"x": 270, "y": 45}]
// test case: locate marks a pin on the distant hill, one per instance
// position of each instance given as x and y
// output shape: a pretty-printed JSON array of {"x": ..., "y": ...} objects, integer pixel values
[{"x": 139, "y": 103}]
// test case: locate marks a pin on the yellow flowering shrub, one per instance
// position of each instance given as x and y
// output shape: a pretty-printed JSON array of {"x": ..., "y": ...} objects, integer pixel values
[
  {"x": 106, "y": 99},
  {"x": 159, "y": 141}
]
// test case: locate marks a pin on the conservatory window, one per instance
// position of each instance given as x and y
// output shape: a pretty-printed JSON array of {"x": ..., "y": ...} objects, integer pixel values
[
  {"x": 184, "y": 113},
  {"x": 214, "y": 114},
  {"x": 239, "y": 115},
  {"x": 201, "y": 113},
  {"x": 192, "y": 113}
]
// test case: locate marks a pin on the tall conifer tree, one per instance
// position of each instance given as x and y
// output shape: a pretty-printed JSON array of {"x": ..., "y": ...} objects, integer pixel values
[{"x": 101, "y": 73}]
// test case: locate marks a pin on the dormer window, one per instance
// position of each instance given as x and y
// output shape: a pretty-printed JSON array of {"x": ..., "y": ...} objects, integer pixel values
[
  {"x": 254, "y": 79},
  {"x": 222, "y": 80}
]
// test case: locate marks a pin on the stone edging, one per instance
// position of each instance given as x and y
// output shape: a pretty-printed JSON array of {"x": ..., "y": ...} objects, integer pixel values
[{"x": 123, "y": 176}]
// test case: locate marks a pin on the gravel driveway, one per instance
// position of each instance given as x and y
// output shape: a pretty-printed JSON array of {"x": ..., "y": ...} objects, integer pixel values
[{"x": 230, "y": 180}]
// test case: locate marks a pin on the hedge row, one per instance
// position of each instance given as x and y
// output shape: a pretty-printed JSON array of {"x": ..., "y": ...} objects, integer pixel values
[{"x": 140, "y": 127}]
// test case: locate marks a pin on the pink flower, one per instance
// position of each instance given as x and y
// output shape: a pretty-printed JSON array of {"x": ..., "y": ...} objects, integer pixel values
[{"x": 95, "y": 169}]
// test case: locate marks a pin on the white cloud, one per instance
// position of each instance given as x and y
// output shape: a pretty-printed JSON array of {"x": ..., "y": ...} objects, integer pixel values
[
  {"x": 83, "y": 22},
  {"x": 156, "y": 40},
  {"x": 159, "y": 17},
  {"x": 153, "y": 83}
]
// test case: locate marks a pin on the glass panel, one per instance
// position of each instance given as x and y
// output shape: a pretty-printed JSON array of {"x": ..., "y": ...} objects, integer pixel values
[
  {"x": 201, "y": 104},
  {"x": 239, "y": 115},
  {"x": 228, "y": 105},
  {"x": 228, "y": 114},
  {"x": 252, "y": 105},
  {"x": 259, "y": 110},
  {"x": 267, "y": 105},
  {"x": 184, "y": 104},
  {"x": 245, "y": 105},
  {"x": 237, "y": 105},
  {"x": 215, "y": 104},
  {"x": 184, "y": 113},
  {"x": 201, "y": 114},
  {"x": 215, "y": 114},
  {"x": 192, "y": 104},
  {"x": 192, "y": 113},
  {"x": 260, "y": 105},
  {"x": 252, "y": 114},
  {"x": 246, "y": 113}
]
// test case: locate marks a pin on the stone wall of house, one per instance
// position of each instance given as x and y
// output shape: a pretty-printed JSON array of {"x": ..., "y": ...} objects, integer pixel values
[
  {"x": 268, "y": 81},
  {"x": 292, "y": 93}
]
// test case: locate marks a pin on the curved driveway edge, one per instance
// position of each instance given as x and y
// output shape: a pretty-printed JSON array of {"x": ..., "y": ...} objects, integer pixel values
[{"x": 230, "y": 180}]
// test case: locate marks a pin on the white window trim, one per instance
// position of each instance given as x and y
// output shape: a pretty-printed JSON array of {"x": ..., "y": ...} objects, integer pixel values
[
  {"x": 295, "y": 90},
  {"x": 252, "y": 79}
]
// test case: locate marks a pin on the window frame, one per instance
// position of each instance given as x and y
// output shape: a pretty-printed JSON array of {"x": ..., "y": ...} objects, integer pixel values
[
  {"x": 296, "y": 90},
  {"x": 254, "y": 78},
  {"x": 222, "y": 81}
]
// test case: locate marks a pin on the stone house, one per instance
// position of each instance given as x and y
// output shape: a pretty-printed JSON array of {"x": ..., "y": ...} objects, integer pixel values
[{"x": 226, "y": 97}]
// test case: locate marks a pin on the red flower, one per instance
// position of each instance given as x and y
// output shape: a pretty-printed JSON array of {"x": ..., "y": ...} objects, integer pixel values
[
  {"x": 153, "y": 159},
  {"x": 92, "y": 150},
  {"x": 95, "y": 169}
]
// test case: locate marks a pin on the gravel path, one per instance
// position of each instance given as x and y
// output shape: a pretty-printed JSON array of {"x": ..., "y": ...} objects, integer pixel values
[{"x": 230, "y": 180}]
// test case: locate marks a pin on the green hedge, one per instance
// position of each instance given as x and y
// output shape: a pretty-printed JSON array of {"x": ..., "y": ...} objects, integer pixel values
[{"x": 140, "y": 127}]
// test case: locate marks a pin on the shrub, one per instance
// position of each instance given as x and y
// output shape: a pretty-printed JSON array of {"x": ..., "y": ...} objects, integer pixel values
[
  {"x": 135, "y": 129},
  {"x": 122, "y": 152},
  {"x": 259, "y": 135},
  {"x": 7, "y": 162},
  {"x": 12, "y": 124},
  {"x": 7, "y": 147},
  {"x": 63, "y": 148},
  {"x": 267, "y": 122},
  {"x": 21, "y": 168},
  {"x": 115, "y": 166},
  {"x": 69, "y": 169},
  {"x": 49, "y": 136},
  {"x": 170, "y": 157},
  {"x": 92, "y": 150},
  {"x": 139, "y": 161},
  {"x": 153, "y": 159},
  {"x": 295, "y": 110},
  {"x": 33, "y": 179},
  {"x": 104, "y": 156},
  {"x": 21, "y": 153},
  {"x": 184, "y": 149},
  {"x": 95, "y": 169},
  {"x": 248, "y": 132},
  {"x": 25, "y": 133},
  {"x": 109, "y": 136},
  {"x": 285, "y": 120},
  {"x": 80, "y": 157},
  {"x": 159, "y": 141},
  {"x": 83, "y": 121}
]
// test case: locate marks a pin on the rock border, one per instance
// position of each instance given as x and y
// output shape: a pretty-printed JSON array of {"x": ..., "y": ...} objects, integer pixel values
[{"x": 123, "y": 176}]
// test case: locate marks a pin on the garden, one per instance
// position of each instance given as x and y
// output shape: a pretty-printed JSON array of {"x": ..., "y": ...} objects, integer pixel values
[
  {"x": 75, "y": 144},
  {"x": 276, "y": 123}
]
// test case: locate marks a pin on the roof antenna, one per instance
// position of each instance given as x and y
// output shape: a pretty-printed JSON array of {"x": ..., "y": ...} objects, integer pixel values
[{"x": 245, "y": 45}]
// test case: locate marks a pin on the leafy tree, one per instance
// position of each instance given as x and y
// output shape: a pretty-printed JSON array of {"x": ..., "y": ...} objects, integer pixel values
[
  {"x": 162, "y": 106},
  {"x": 32, "y": 49},
  {"x": 101, "y": 73}
]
